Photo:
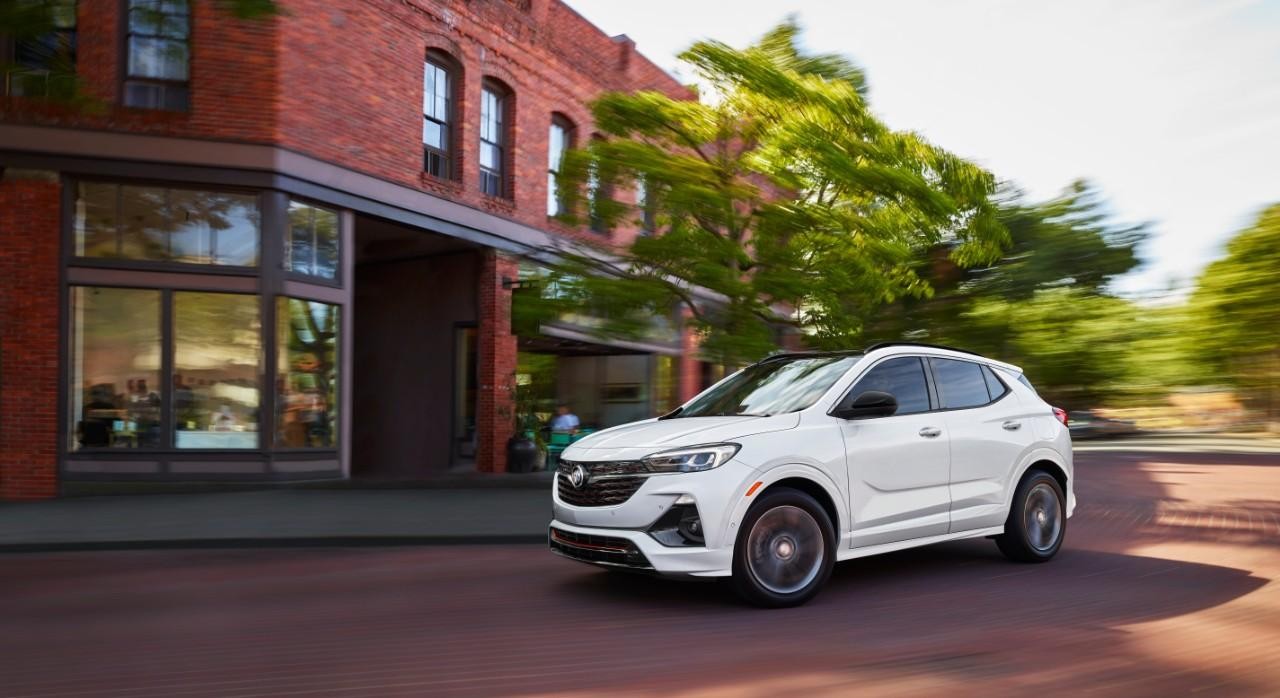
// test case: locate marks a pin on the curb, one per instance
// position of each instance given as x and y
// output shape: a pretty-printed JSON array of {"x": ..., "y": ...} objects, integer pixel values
[{"x": 251, "y": 543}]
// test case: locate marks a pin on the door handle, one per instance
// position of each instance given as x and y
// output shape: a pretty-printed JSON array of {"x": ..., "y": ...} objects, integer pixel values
[
  {"x": 930, "y": 432},
  {"x": 1012, "y": 425}
]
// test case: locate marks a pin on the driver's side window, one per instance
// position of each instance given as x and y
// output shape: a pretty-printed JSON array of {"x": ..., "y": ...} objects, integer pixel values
[{"x": 903, "y": 378}]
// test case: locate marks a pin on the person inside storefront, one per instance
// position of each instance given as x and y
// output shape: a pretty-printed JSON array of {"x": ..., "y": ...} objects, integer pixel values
[{"x": 565, "y": 420}]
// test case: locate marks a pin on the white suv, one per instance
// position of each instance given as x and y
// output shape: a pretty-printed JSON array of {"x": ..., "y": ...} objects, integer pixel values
[{"x": 800, "y": 460}]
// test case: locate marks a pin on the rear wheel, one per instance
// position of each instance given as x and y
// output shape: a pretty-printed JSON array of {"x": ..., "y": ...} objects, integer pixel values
[
  {"x": 784, "y": 551},
  {"x": 1037, "y": 520}
]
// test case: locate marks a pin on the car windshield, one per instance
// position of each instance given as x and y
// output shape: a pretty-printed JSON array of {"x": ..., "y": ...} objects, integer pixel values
[{"x": 772, "y": 387}]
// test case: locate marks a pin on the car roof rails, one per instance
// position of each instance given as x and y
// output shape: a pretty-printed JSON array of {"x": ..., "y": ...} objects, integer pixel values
[
  {"x": 801, "y": 354},
  {"x": 883, "y": 345}
]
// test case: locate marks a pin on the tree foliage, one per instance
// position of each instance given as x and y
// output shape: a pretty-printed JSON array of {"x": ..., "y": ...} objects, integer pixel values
[
  {"x": 1236, "y": 316},
  {"x": 780, "y": 200}
]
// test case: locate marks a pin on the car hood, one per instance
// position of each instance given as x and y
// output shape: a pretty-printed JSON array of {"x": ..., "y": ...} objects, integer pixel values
[{"x": 639, "y": 439}]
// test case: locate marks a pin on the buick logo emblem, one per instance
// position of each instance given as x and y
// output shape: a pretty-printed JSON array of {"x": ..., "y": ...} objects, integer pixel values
[{"x": 578, "y": 477}]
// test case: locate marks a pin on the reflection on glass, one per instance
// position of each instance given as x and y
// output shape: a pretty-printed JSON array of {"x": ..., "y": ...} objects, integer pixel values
[
  {"x": 216, "y": 356},
  {"x": 115, "y": 368},
  {"x": 143, "y": 223},
  {"x": 313, "y": 241},
  {"x": 307, "y": 362},
  {"x": 176, "y": 225},
  {"x": 96, "y": 233}
]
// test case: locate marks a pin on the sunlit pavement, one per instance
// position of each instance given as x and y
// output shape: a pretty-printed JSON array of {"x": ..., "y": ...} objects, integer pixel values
[{"x": 1165, "y": 586}]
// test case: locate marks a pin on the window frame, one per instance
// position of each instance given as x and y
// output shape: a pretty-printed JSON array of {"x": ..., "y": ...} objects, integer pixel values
[
  {"x": 126, "y": 33},
  {"x": 647, "y": 203},
  {"x": 66, "y": 39},
  {"x": 449, "y": 67},
  {"x": 567, "y": 126},
  {"x": 168, "y": 350},
  {"x": 339, "y": 382},
  {"x": 938, "y": 390},
  {"x": 935, "y": 393},
  {"x": 264, "y": 282},
  {"x": 286, "y": 264},
  {"x": 502, "y": 96},
  {"x": 72, "y": 186},
  {"x": 933, "y": 397}
]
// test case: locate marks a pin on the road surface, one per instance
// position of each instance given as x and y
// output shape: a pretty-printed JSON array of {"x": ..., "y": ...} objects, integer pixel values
[{"x": 1166, "y": 585}]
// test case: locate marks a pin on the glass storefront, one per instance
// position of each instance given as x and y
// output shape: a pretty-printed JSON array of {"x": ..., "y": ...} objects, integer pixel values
[
  {"x": 307, "y": 373},
  {"x": 216, "y": 370},
  {"x": 119, "y": 221},
  {"x": 313, "y": 241},
  {"x": 115, "y": 385},
  {"x": 180, "y": 337}
]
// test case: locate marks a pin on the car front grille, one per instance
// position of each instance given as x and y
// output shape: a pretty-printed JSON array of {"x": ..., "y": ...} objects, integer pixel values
[
  {"x": 607, "y": 483},
  {"x": 598, "y": 549}
]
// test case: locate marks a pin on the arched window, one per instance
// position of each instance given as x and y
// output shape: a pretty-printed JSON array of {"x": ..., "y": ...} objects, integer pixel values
[
  {"x": 559, "y": 140},
  {"x": 438, "y": 84},
  {"x": 494, "y": 138}
]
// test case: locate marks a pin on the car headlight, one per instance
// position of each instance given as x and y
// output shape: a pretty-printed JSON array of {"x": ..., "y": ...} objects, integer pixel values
[{"x": 691, "y": 460}]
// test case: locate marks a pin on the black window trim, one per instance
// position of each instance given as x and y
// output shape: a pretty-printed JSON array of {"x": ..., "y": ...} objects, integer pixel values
[
  {"x": 445, "y": 63},
  {"x": 286, "y": 265},
  {"x": 935, "y": 395},
  {"x": 126, "y": 32},
  {"x": 502, "y": 93},
  {"x": 570, "y": 130},
  {"x": 72, "y": 184},
  {"x": 934, "y": 380}
]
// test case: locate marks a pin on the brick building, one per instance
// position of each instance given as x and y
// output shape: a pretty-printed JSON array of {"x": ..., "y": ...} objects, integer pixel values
[{"x": 285, "y": 248}]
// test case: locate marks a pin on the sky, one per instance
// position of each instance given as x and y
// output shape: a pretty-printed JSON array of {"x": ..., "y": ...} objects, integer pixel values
[{"x": 1172, "y": 107}]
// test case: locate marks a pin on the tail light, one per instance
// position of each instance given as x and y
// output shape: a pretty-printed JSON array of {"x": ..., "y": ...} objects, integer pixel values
[{"x": 1061, "y": 414}]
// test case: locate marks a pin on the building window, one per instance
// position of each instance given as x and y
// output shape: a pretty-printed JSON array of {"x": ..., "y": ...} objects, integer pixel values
[
  {"x": 117, "y": 358},
  {"x": 313, "y": 241},
  {"x": 307, "y": 370},
  {"x": 217, "y": 356},
  {"x": 119, "y": 221},
  {"x": 41, "y": 64},
  {"x": 437, "y": 117},
  {"x": 493, "y": 137},
  {"x": 559, "y": 140},
  {"x": 115, "y": 362},
  {"x": 157, "y": 66},
  {"x": 646, "y": 203}
]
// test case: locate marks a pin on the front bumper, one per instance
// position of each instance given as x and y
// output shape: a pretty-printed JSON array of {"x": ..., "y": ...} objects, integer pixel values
[{"x": 631, "y": 549}]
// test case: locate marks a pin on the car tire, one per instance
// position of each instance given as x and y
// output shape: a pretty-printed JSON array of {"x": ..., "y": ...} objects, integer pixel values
[
  {"x": 1037, "y": 522},
  {"x": 784, "y": 550}
]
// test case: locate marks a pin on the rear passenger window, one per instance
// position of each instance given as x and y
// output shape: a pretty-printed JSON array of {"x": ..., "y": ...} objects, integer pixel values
[
  {"x": 995, "y": 387},
  {"x": 903, "y": 378},
  {"x": 960, "y": 383}
]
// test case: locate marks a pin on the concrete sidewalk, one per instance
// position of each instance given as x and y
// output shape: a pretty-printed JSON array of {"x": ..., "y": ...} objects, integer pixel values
[{"x": 278, "y": 518}]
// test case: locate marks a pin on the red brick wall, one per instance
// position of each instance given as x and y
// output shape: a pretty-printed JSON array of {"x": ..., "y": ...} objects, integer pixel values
[
  {"x": 352, "y": 87},
  {"x": 28, "y": 337},
  {"x": 234, "y": 79},
  {"x": 496, "y": 359}
]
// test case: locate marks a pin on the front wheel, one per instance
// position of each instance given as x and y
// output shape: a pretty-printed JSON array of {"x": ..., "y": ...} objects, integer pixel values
[
  {"x": 784, "y": 551},
  {"x": 1037, "y": 520}
]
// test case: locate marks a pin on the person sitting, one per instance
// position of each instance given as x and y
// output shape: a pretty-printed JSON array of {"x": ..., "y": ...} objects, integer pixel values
[{"x": 565, "y": 420}]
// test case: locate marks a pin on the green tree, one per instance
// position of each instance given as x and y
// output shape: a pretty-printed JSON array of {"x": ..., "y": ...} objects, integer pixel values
[
  {"x": 781, "y": 200},
  {"x": 1237, "y": 317},
  {"x": 1070, "y": 241}
]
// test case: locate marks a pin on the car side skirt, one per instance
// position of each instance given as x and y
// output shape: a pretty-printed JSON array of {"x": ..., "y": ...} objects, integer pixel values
[{"x": 867, "y": 551}]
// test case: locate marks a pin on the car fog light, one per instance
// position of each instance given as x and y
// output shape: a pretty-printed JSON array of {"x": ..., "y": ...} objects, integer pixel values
[{"x": 681, "y": 526}]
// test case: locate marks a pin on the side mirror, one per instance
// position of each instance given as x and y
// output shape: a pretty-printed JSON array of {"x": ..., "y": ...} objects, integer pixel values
[{"x": 872, "y": 403}]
